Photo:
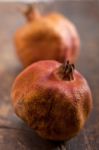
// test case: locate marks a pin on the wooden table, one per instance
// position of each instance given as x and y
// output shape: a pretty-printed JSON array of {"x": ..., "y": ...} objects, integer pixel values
[{"x": 14, "y": 134}]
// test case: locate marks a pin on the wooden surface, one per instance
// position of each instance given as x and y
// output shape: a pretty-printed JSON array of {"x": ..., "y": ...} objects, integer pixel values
[{"x": 14, "y": 134}]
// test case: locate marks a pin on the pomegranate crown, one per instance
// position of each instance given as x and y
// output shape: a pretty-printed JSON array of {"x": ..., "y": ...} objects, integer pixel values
[{"x": 67, "y": 71}]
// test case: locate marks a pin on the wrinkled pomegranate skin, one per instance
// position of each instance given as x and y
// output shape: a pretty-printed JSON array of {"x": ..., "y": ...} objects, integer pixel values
[
  {"x": 56, "y": 109},
  {"x": 51, "y": 37}
]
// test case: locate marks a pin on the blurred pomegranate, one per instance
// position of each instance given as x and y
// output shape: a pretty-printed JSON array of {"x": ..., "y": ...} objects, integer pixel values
[{"x": 51, "y": 37}]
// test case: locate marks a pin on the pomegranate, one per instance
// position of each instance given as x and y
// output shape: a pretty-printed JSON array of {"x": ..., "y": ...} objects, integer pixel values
[
  {"x": 52, "y": 98},
  {"x": 49, "y": 37}
]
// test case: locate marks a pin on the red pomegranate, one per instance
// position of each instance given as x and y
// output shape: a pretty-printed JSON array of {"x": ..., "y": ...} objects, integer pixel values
[{"x": 53, "y": 99}]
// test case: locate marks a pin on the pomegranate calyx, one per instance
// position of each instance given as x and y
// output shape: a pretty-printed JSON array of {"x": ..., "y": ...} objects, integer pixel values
[
  {"x": 31, "y": 12},
  {"x": 66, "y": 71}
]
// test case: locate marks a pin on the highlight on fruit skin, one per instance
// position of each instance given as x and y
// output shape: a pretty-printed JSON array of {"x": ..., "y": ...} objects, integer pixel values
[
  {"x": 46, "y": 37},
  {"x": 53, "y": 99}
]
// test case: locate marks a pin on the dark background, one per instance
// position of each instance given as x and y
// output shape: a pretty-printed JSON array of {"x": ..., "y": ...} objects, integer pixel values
[{"x": 14, "y": 134}]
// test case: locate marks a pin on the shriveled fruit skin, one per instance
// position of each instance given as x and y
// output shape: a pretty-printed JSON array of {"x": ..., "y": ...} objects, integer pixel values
[
  {"x": 51, "y": 37},
  {"x": 56, "y": 109}
]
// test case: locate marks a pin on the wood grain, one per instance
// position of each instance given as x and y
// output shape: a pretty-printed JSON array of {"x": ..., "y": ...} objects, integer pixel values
[{"x": 14, "y": 134}]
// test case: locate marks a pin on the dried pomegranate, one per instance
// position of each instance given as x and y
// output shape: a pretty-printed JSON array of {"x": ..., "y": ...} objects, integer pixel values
[
  {"x": 54, "y": 99},
  {"x": 51, "y": 37}
]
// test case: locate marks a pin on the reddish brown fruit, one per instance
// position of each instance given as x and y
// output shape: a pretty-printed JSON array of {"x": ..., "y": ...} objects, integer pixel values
[
  {"x": 54, "y": 99},
  {"x": 50, "y": 37}
]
